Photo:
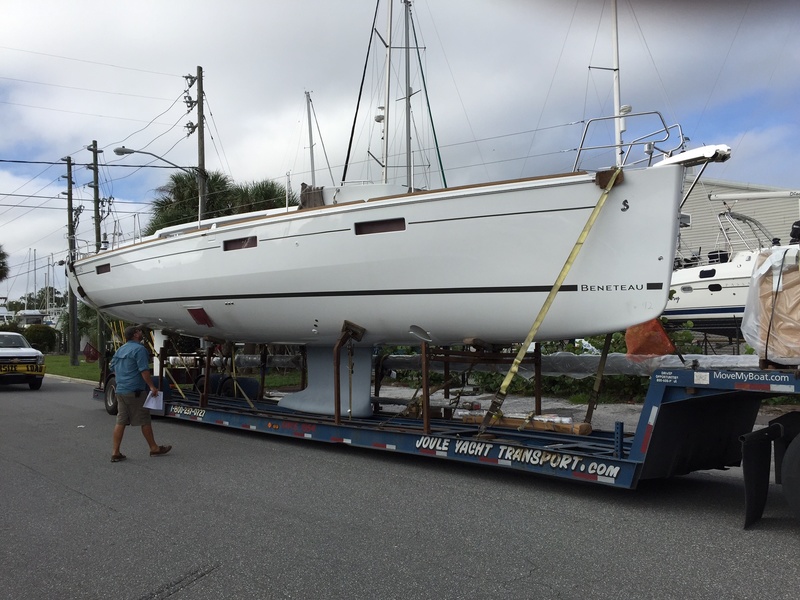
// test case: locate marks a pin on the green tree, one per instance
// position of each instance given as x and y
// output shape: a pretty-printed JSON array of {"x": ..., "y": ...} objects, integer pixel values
[
  {"x": 86, "y": 319},
  {"x": 260, "y": 195},
  {"x": 177, "y": 200},
  {"x": 3, "y": 264}
]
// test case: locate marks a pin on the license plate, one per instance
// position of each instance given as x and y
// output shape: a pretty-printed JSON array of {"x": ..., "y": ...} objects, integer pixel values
[{"x": 21, "y": 368}]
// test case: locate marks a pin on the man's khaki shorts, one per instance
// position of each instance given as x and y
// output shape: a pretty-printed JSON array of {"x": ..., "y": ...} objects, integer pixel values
[{"x": 131, "y": 410}]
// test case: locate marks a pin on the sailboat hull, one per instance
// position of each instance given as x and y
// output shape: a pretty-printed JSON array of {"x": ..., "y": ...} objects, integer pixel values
[
  {"x": 712, "y": 297},
  {"x": 456, "y": 264}
]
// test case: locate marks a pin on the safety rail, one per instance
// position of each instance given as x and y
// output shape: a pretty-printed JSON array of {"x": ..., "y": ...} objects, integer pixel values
[{"x": 646, "y": 141}]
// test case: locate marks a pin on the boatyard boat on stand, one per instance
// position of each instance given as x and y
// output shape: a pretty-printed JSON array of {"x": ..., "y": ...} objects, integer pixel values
[
  {"x": 711, "y": 291},
  {"x": 381, "y": 264}
]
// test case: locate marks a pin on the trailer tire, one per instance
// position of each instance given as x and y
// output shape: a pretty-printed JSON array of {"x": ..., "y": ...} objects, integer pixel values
[
  {"x": 110, "y": 400},
  {"x": 227, "y": 387},
  {"x": 790, "y": 475},
  {"x": 200, "y": 385}
]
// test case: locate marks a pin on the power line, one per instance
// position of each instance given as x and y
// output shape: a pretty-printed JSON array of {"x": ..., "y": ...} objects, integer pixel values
[
  {"x": 124, "y": 212},
  {"x": 90, "y": 62},
  {"x": 75, "y": 112},
  {"x": 80, "y": 89},
  {"x": 33, "y": 162}
]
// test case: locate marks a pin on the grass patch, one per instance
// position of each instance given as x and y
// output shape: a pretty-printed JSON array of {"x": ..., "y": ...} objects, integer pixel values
[{"x": 58, "y": 364}]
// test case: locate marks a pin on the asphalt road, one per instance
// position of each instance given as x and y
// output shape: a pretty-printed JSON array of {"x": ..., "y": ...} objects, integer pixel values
[{"x": 230, "y": 514}]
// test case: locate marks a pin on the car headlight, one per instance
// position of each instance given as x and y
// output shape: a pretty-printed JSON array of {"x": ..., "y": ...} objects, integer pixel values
[{"x": 40, "y": 359}]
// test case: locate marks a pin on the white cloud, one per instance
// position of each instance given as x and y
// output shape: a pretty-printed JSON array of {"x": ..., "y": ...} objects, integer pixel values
[{"x": 493, "y": 70}]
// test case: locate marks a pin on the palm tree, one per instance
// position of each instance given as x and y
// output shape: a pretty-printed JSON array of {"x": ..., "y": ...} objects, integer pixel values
[
  {"x": 177, "y": 200},
  {"x": 261, "y": 195}
]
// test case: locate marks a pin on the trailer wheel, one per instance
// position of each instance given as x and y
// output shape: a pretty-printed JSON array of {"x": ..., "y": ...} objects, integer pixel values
[
  {"x": 227, "y": 387},
  {"x": 790, "y": 475},
  {"x": 111, "y": 395}
]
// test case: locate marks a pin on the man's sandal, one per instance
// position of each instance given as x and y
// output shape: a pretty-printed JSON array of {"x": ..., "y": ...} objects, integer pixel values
[
  {"x": 117, "y": 457},
  {"x": 161, "y": 450}
]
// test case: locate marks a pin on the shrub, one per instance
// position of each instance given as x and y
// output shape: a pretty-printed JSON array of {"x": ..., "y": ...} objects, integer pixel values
[{"x": 42, "y": 337}]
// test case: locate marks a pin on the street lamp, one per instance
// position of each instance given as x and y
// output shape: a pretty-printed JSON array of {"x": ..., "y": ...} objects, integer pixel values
[{"x": 201, "y": 200}]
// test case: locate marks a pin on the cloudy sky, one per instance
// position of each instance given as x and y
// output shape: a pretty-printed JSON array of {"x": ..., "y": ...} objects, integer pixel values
[{"x": 509, "y": 82}]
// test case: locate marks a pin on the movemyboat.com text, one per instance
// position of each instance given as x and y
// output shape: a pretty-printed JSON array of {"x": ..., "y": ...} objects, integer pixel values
[{"x": 753, "y": 376}]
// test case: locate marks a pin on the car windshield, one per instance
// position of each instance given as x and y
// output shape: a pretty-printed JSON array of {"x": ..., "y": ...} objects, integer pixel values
[{"x": 13, "y": 341}]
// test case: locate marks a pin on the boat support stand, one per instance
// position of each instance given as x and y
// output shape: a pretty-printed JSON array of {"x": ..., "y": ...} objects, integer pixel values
[{"x": 350, "y": 331}]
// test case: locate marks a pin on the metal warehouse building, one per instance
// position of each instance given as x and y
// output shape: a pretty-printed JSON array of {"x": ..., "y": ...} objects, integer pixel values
[{"x": 776, "y": 214}]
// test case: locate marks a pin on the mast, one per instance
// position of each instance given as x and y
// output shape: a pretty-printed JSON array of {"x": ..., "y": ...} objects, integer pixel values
[
  {"x": 310, "y": 142},
  {"x": 388, "y": 91},
  {"x": 409, "y": 182},
  {"x": 618, "y": 124}
]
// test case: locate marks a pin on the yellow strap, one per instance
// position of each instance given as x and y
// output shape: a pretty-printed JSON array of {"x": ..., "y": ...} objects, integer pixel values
[{"x": 512, "y": 371}]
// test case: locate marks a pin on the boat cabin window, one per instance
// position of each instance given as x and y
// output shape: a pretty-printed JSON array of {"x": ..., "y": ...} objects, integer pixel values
[
  {"x": 714, "y": 287},
  {"x": 686, "y": 289},
  {"x": 383, "y": 226},
  {"x": 240, "y": 243},
  {"x": 707, "y": 273},
  {"x": 100, "y": 269},
  {"x": 717, "y": 256}
]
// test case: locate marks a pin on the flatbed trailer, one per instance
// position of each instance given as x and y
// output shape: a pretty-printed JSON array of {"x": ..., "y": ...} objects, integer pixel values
[{"x": 691, "y": 420}]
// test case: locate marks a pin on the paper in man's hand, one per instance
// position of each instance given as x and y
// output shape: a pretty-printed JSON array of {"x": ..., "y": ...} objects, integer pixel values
[{"x": 154, "y": 401}]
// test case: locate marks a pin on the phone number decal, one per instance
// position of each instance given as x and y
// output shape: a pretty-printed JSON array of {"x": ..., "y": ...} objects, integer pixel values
[{"x": 188, "y": 411}]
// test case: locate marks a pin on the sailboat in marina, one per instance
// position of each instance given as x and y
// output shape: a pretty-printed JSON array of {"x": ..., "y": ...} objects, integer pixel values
[{"x": 390, "y": 264}]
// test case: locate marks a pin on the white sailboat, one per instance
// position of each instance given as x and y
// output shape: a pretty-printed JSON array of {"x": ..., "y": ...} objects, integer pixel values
[
  {"x": 711, "y": 291},
  {"x": 397, "y": 266}
]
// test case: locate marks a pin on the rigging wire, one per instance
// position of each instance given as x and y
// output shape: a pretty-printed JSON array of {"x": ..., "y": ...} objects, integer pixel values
[
  {"x": 321, "y": 141},
  {"x": 643, "y": 39},
  {"x": 224, "y": 157},
  {"x": 790, "y": 36},
  {"x": 550, "y": 88},
  {"x": 360, "y": 91},
  {"x": 725, "y": 60},
  {"x": 457, "y": 89},
  {"x": 428, "y": 106}
]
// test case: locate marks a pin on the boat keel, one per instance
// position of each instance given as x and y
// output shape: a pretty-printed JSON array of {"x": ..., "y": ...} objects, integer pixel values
[{"x": 355, "y": 371}]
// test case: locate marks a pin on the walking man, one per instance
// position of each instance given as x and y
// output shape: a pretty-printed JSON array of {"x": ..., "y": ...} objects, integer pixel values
[{"x": 131, "y": 366}]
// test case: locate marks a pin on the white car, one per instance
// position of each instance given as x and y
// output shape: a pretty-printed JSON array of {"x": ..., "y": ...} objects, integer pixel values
[{"x": 19, "y": 362}]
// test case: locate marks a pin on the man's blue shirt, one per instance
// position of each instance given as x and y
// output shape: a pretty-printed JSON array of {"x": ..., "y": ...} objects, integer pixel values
[{"x": 128, "y": 363}]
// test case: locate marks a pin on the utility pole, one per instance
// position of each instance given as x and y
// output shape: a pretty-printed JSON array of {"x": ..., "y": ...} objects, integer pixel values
[
  {"x": 101, "y": 326},
  {"x": 202, "y": 176},
  {"x": 73, "y": 301},
  {"x": 95, "y": 185}
]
